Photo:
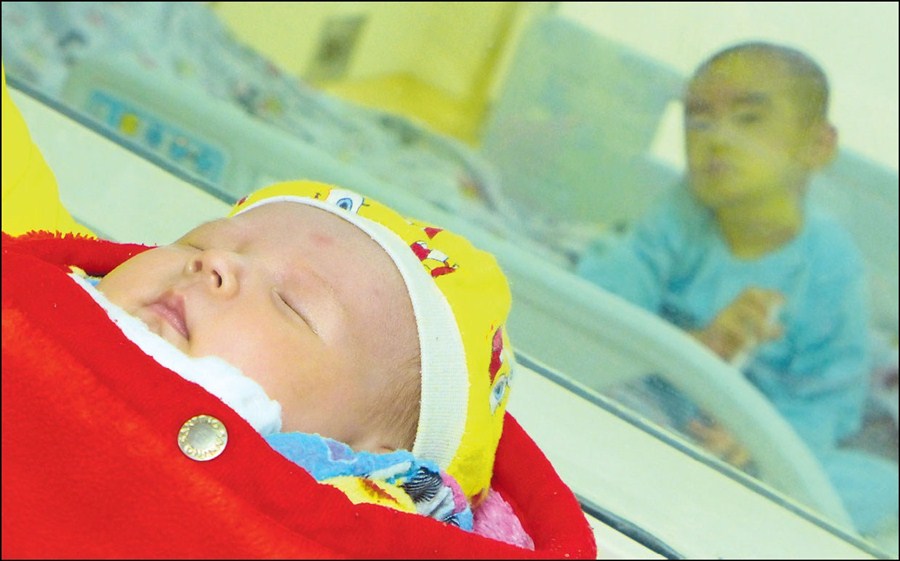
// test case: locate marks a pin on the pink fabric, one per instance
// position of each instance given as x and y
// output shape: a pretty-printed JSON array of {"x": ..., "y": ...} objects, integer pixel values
[{"x": 494, "y": 518}]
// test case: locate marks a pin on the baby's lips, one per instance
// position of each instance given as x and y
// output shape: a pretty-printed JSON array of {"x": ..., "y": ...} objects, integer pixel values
[{"x": 171, "y": 309}]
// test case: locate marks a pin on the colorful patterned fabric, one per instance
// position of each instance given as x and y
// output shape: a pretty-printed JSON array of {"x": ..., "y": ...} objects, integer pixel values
[{"x": 373, "y": 478}]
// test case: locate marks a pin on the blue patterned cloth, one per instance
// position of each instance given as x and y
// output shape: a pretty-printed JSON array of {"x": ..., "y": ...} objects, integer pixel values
[{"x": 430, "y": 490}]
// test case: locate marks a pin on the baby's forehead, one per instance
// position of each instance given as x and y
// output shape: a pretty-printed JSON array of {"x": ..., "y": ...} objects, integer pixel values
[
  {"x": 289, "y": 231},
  {"x": 298, "y": 231},
  {"x": 295, "y": 217}
]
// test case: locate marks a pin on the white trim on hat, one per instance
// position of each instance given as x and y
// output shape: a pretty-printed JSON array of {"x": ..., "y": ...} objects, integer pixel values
[{"x": 445, "y": 379}]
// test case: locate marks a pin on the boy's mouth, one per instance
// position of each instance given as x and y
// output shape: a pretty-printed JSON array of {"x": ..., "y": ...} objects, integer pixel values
[
  {"x": 717, "y": 167},
  {"x": 170, "y": 307}
]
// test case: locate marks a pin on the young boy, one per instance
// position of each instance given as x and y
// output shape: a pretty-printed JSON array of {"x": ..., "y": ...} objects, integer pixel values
[
  {"x": 738, "y": 258},
  {"x": 152, "y": 395}
]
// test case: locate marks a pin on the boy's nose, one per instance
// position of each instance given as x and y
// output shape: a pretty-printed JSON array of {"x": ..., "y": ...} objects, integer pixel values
[
  {"x": 715, "y": 138},
  {"x": 218, "y": 271}
]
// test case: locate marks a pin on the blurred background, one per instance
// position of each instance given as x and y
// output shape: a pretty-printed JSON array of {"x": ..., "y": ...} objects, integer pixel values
[{"x": 550, "y": 126}]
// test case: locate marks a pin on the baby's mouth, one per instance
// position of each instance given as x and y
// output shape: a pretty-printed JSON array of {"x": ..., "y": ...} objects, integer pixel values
[{"x": 170, "y": 308}]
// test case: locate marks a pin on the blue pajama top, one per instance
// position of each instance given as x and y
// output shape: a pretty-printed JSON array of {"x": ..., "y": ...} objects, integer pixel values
[{"x": 675, "y": 263}]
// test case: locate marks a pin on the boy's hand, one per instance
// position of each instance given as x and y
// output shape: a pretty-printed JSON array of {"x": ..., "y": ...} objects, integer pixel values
[
  {"x": 720, "y": 442},
  {"x": 748, "y": 321}
]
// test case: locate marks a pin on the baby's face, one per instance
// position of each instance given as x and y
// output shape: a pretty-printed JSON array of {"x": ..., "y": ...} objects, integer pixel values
[
  {"x": 302, "y": 301},
  {"x": 746, "y": 140}
]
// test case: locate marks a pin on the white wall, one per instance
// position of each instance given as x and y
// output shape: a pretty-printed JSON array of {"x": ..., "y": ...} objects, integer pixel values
[
  {"x": 855, "y": 43},
  {"x": 441, "y": 43}
]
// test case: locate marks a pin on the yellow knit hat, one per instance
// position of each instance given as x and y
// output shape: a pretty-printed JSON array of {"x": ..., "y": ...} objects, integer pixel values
[{"x": 461, "y": 300}]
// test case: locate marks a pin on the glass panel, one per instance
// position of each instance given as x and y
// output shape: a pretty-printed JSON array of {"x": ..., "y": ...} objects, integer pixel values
[
  {"x": 693, "y": 189},
  {"x": 562, "y": 130}
]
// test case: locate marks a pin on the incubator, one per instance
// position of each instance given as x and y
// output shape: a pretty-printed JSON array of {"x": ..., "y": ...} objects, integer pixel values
[{"x": 132, "y": 143}]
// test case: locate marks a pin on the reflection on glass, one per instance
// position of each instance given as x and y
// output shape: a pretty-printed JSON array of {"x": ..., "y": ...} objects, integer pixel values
[
  {"x": 669, "y": 263},
  {"x": 559, "y": 127},
  {"x": 737, "y": 257}
]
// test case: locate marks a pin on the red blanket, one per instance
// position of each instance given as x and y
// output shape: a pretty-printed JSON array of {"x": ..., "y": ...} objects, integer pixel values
[{"x": 92, "y": 468}]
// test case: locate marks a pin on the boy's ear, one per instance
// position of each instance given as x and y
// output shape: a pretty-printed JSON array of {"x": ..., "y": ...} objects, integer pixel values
[{"x": 822, "y": 146}]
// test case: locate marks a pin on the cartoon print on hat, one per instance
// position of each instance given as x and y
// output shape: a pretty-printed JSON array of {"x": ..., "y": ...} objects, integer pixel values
[
  {"x": 461, "y": 301},
  {"x": 347, "y": 200},
  {"x": 436, "y": 262},
  {"x": 499, "y": 381}
]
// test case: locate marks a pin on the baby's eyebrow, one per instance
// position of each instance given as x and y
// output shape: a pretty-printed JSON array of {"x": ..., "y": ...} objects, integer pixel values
[{"x": 201, "y": 229}]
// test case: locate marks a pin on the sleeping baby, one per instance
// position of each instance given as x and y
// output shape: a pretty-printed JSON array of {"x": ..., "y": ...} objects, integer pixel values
[
  {"x": 325, "y": 316},
  {"x": 262, "y": 387}
]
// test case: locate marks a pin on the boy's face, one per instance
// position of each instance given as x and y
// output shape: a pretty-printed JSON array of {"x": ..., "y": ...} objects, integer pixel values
[
  {"x": 745, "y": 135},
  {"x": 300, "y": 300}
]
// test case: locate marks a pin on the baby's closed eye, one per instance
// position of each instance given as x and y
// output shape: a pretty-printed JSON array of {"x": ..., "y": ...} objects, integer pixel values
[{"x": 289, "y": 304}]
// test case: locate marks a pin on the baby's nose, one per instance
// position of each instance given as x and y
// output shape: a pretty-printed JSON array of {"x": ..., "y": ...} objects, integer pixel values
[{"x": 217, "y": 270}]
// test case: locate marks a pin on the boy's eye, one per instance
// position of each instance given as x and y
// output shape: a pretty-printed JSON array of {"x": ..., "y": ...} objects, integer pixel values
[
  {"x": 697, "y": 122},
  {"x": 748, "y": 117}
]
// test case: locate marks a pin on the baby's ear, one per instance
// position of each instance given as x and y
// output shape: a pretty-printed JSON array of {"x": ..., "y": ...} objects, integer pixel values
[{"x": 822, "y": 146}]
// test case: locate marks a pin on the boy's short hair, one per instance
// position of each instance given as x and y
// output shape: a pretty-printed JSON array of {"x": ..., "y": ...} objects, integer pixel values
[
  {"x": 811, "y": 89},
  {"x": 460, "y": 299}
]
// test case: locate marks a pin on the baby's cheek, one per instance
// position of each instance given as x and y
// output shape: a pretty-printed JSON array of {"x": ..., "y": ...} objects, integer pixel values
[
  {"x": 122, "y": 286},
  {"x": 138, "y": 276},
  {"x": 261, "y": 354}
]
